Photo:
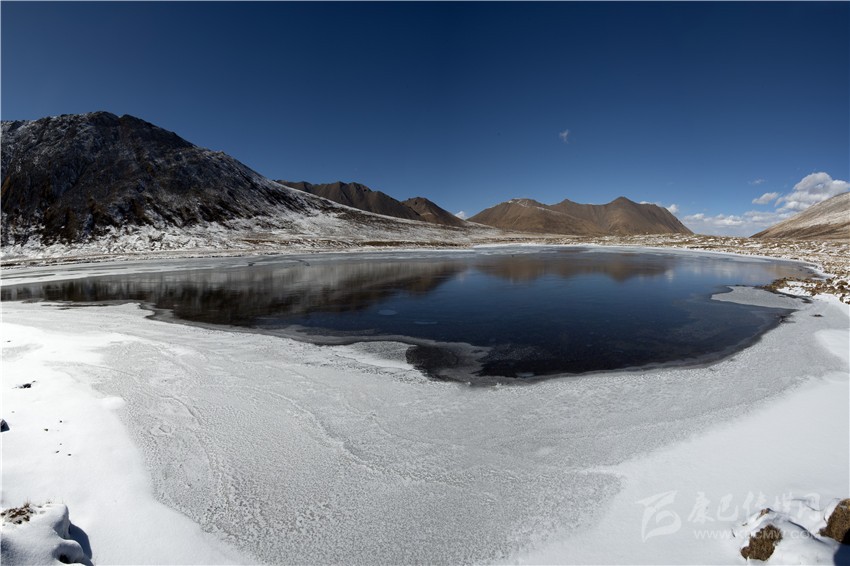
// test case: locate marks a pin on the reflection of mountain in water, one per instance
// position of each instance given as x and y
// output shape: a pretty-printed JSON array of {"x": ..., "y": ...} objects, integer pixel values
[
  {"x": 619, "y": 267},
  {"x": 240, "y": 295},
  {"x": 624, "y": 266},
  {"x": 237, "y": 296}
]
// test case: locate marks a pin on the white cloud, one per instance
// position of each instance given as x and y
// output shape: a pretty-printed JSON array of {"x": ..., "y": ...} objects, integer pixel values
[
  {"x": 462, "y": 215},
  {"x": 719, "y": 224},
  {"x": 564, "y": 136},
  {"x": 812, "y": 189},
  {"x": 758, "y": 181},
  {"x": 766, "y": 198},
  {"x": 766, "y": 218},
  {"x": 717, "y": 220}
]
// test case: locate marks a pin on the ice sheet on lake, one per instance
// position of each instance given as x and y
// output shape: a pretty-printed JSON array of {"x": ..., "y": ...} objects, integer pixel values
[{"x": 759, "y": 298}]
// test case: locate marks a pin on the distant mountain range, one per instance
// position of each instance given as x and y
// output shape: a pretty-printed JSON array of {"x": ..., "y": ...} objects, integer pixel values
[
  {"x": 827, "y": 220},
  {"x": 619, "y": 217},
  {"x": 362, "y": 197},
  {"x": 76, "y": 178}
]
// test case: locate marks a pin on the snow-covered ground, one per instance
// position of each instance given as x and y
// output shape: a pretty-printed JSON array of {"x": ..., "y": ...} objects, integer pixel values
[
  {"x": 67, "y": 445},
  {"x": 687, "y": 503},
  {"x": 192, "y": 445}
]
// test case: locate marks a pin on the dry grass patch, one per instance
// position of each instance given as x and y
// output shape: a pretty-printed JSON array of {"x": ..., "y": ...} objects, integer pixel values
[
  {"x": 18, "y": 515},
  {"x": 838, "y": 524}
]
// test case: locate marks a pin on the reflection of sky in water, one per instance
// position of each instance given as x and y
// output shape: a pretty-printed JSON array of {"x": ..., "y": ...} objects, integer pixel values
[{"x": 556, "y": 311}]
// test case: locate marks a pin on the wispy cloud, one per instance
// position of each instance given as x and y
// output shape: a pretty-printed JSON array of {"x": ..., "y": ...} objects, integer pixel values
[
  {"x": 716, "y": 220},
  {"x": 564, "y": 136},
  {"x": 763, "y": 219},
  {"x": 758, "y": 181},
  {"x": 462, "y": 215},
  {"x": 766, "y": 198}
]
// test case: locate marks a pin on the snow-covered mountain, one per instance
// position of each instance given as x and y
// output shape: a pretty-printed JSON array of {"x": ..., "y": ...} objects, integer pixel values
[
  {"x": 71, "y": 177},
  {"x": 827, "y": 220},
  {"x": 77, "y": 179},
  {"x": 619, "y": 217}
]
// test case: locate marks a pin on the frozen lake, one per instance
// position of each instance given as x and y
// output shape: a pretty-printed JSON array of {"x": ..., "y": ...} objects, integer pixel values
[
  {"x": 298, "y": 453},
  {"x": 478, "y": 316}
]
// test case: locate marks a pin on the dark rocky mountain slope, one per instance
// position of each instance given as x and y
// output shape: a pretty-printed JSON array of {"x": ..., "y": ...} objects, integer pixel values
[
  {"x": 620, "y": 217},
  {"x": 71, "y": 177},
  {"x": 827, "y": 220}
]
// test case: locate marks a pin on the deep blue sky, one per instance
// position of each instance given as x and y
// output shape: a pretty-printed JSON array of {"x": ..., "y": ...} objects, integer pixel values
[{"x": 702, "y": 105}]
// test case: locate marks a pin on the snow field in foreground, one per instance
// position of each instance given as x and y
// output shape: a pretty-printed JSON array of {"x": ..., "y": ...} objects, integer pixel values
[
  {"x": 66, "y": 444},
  {"x": 301, "y": 454}
]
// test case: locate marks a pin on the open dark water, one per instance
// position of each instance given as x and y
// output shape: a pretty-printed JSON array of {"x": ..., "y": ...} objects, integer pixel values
[{"x": 503, "y": 313}]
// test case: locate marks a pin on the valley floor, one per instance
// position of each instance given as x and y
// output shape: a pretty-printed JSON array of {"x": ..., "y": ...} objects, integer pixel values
[{"x": 178, "y": 444}]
